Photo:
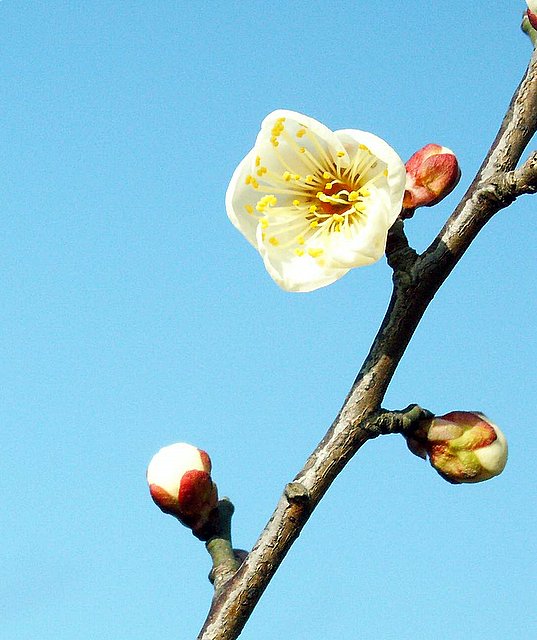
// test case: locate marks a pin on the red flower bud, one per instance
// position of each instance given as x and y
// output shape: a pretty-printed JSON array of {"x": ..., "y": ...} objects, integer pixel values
[
  {"x": 431, "y": 174},
  {"x": 463, "y": 446},
  {"x": 532, "y": 12},
  {"x": 179, "y": 478}
]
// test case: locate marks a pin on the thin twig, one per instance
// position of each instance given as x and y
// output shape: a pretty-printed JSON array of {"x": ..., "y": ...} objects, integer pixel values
[{"x": 416, "y": 280}]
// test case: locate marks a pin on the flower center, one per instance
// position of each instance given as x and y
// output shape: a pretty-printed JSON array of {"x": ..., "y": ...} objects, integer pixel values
[{"x": 336, "y": 198}]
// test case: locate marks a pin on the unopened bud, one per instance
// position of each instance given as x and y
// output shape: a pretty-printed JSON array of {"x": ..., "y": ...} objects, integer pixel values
[
  {"x": 463, "y": 446},
  {"x": 431, "y": 174},
  {"x": 532, "y": 12},
  {"x": 179, "y": 478}
]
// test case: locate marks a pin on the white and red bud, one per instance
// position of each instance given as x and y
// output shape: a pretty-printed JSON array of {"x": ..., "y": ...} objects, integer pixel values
[
  {"x": 463, "y": 446},
  {"x": 179, "y": 479},
  {"x": 431, "y": 174},
  {"x": 532, "y": 12}
]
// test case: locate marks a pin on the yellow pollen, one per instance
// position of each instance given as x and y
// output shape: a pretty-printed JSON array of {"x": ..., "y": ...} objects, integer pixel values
[
  {"x": 263, "y": 236},
  {"x": 326, "y": 175},
  {"x": 266, "y": 201},
  {"x": 313, "y": 208},
  {"x": 365, "y": 193},
  {"x": 300, "y": 240},
  {"x": 277, "y": 130},
  {"x": 254, "y": 183},
  {"x": 299, "y": 252},
  {"x": 249, "y": 208},
  {"x": 296, "y": 203},
  {"x": 296, "y": 176},
  {"x": 300, "y": 133},
  {"x": 385, "y": 173},
  {"x": 261, "y": 171},
  {"x": 248, "y": 179},
  {"x": 315, "y": 253},
  {"x": 340, "y": 154},
  {"x": 302, "y": 150},
  {"x": 337, "y": 218},
  {"x": 274, "y": 241},
  {"x": 328, "y": 185},
  {"x": 314, "y": 223},
  {"x": 286, "y": 176},
  {"x": 359, "y": 207},
  {"x": 264, "y": 223},
  {"x": 275, "y": 142},
  {"x": 257, "y": 161},
  {"x": 309, "y": 178},
  {"x": 363, "y": 147}
]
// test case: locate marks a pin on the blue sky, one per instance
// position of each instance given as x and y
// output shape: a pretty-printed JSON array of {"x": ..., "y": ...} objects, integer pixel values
[{"x": 134, "y": 316}]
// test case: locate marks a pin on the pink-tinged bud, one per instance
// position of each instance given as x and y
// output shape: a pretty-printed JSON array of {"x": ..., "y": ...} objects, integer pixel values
[
  {"x": 179, "y": 478},
  {"x": 431, "y": 174},
  {"x": 463, "y": 446},
  {"x": 532, "y": 12}
]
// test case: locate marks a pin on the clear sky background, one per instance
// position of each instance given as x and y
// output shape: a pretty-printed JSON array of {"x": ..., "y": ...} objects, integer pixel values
[{"x": 134, "y": 315}]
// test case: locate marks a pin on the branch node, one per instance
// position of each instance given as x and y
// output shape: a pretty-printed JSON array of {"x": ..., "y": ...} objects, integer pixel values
[
  {"x": 385, "y": 422},
  {"x": 296, "y": 492},
  {"x": 399, "y": 254}
]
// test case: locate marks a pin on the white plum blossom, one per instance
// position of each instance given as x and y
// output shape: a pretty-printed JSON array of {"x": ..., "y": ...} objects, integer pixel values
[{"x": 315, "y": 202}]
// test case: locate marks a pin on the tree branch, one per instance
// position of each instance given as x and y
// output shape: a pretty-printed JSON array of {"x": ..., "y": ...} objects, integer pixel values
[{"x": 416, "y": 280}]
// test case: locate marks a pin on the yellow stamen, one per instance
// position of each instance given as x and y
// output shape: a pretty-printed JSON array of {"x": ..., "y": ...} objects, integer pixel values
[
  {"x": 274, "y": 241},
  {"x": 315, "y": 253}
]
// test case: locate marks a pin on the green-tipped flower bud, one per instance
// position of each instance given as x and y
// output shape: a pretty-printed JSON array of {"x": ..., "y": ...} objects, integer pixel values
[{"x": 463, "y": 446}]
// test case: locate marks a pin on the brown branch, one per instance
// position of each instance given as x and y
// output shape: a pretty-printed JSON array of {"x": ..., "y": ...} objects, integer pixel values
[{"x": 416, "y": 280}]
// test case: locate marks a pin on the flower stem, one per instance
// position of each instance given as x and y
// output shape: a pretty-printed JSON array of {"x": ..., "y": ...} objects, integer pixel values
[{"x": 220, "y": 547}]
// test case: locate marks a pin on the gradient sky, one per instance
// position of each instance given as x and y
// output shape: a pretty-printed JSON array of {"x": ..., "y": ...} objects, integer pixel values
[{"x": 134, "y": 315}]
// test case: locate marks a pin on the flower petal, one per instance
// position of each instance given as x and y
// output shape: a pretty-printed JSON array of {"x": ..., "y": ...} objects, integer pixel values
[
  {"x": 396, "y": 178},
  {"x": 241, "y": 201}
]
